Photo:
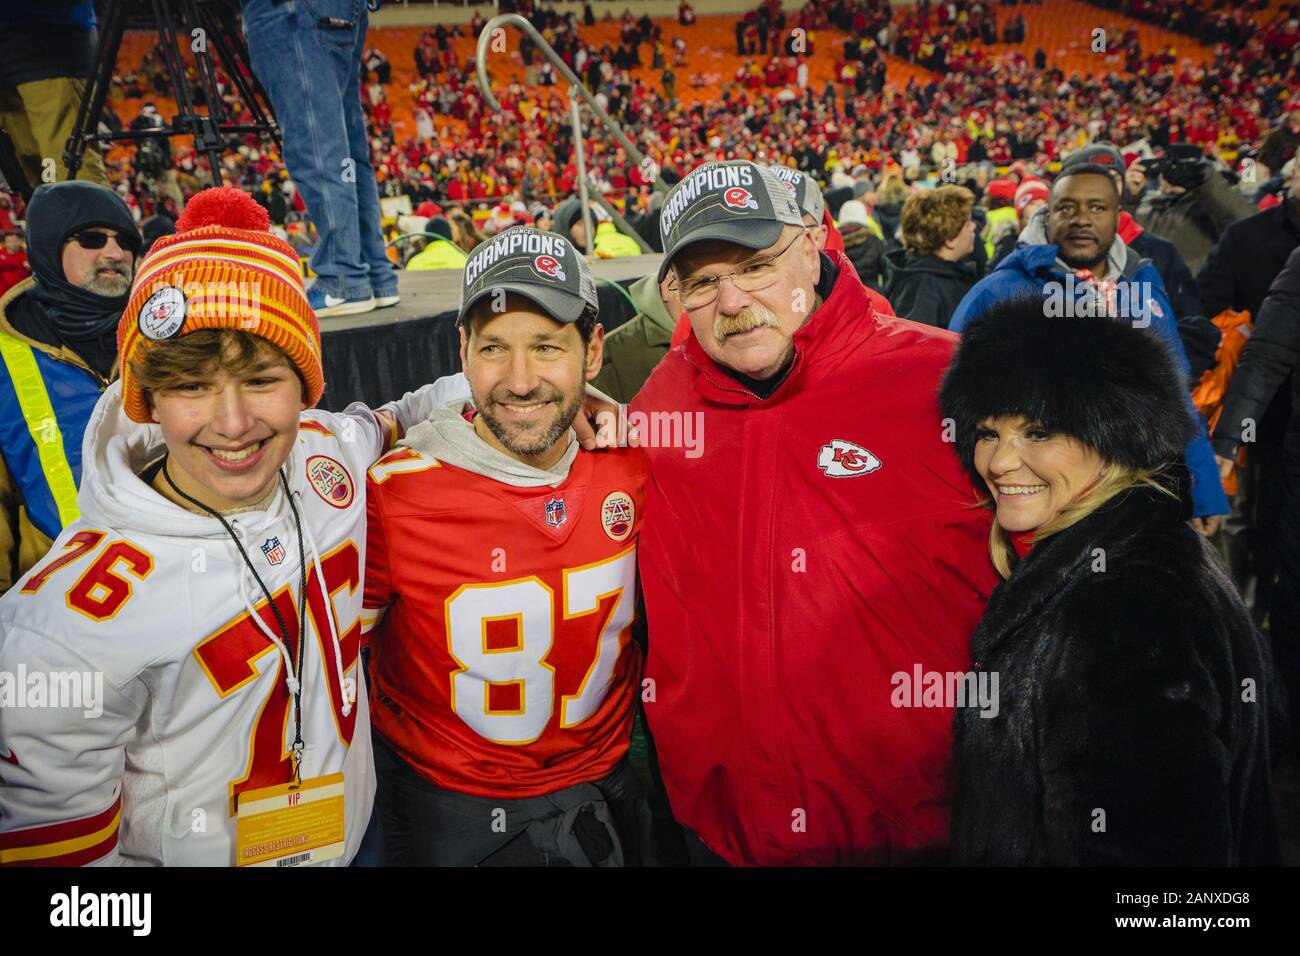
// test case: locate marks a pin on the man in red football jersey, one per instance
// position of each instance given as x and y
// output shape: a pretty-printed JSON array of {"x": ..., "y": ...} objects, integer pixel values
[{"x": 502, "y": 563}]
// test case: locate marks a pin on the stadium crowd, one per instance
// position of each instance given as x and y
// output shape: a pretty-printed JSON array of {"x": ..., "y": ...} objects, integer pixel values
[{"x": 1023, "y": 109}]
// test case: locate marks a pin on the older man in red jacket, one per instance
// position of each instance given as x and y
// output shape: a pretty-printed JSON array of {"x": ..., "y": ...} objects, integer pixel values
[{"x": 814, "y": 566}]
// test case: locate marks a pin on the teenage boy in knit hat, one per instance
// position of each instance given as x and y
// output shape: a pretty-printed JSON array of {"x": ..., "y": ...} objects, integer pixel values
[
  {"x": 820, "y": 550},
  {"x": 192, "y": 694},
  {"x": 502, "y": 560}
]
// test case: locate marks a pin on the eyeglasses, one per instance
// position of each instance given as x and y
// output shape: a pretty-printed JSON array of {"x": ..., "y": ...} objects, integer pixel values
[
  {"x": 92, "y": 239},
  {"x": 754, "y": 276}
]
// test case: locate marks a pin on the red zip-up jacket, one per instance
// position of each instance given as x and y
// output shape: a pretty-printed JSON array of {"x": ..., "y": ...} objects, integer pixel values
[{"x": 823, "y": 541}]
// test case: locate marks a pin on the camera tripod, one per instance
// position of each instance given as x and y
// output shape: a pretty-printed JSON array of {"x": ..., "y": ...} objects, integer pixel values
[{"x": 174, "y": 20}]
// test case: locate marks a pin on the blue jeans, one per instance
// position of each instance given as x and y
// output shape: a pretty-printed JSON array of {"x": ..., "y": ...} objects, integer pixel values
[{"x": 312, "y": 74}]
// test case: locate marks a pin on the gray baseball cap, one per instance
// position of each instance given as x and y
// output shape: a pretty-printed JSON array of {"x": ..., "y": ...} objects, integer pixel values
[
  {"x": 541, "y": 266},
  {"x": 806, "y": 191},
  {"x": 1097, "y": 157},
  {"x": 736, "y": 201}
]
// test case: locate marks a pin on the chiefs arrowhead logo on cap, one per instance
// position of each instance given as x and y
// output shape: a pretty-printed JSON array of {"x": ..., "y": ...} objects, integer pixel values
[
  {"x": 163, "y": 314},
  {"x": 549, "y": 266},
  {"x": 738, "y": 197}
]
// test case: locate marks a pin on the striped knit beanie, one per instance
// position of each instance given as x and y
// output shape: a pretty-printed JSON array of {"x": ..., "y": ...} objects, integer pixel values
[{"x": 222, "y": 269}]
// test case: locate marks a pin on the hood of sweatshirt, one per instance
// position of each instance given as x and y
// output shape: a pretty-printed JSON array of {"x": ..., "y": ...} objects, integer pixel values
[
  {"x": 645, "y": 296},
  {"x": 448, "y": 436}
]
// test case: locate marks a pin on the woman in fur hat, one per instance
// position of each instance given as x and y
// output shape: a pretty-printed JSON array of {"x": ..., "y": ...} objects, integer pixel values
[{"x": 1131, "y": 725}]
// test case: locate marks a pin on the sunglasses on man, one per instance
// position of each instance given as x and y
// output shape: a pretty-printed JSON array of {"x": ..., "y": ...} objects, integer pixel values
[{"x": 92, "y": 239}]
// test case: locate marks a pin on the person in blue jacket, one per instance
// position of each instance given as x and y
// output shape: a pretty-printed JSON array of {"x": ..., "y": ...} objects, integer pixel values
[{"x": 1081, "y": 267}]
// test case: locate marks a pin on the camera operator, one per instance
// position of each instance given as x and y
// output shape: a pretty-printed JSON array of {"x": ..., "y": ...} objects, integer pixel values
[
  {"x": 1193, "y": 205},
  {"x": 154, "y": 153}
]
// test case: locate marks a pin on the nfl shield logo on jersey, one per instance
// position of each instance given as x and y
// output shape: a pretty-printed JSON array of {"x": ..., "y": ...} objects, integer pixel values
[
  {"x": 555, "y": 515},
  {"x": 273, "y": 550}
]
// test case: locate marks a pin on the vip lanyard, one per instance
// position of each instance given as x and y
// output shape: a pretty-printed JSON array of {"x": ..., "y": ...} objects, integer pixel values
[{"x": 300, "y": 649}]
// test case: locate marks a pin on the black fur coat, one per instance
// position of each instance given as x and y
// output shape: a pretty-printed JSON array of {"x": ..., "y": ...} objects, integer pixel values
[{"x": 1122, "y": 736}]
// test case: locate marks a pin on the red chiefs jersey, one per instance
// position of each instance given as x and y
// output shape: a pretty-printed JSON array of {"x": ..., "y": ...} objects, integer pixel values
[{"x": 504, "y": 665}]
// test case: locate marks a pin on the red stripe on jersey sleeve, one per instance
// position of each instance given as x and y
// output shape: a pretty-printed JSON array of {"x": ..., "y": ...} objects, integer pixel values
[
  {"x": 311, "y": 425},
  {"x": 22, "y": 847}
]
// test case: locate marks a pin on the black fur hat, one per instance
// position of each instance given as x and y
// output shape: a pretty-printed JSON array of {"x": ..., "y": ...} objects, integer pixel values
[{"x": 1111, "y": 386}]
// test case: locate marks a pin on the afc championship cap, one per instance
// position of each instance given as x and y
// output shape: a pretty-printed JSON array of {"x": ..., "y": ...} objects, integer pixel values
[
  {"x": 736, "y": 201},
  {"x": 541, "y": 266},
  {"x": 806, "y": 191}
]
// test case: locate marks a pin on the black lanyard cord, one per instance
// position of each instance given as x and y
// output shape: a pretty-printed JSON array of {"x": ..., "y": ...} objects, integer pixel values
[{"x": 297, "y": 658}]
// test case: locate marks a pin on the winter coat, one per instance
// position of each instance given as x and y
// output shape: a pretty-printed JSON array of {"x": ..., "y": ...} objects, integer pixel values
[
  {"x": 1271, "y": 354},
  {"x": 998, "y": 222},
  {"x": 610, "y": 243},
  {"x": 1007, "y": 243},
  {"x": 866, "y": 251},
  {"x": 927, "y": 289},
  {"x": 1179, "y": 284},
  {"x": 438, "y": 254},
  {"x": 1125, "y": 732},
  {"x": 793, "y": 561},
  {"x": 1238, "y": 275},
  {"x": 1200, "y": 336},
  {"x": 1247, "y": 258},
  {"x": 1194, "y": 220},
  {"x": 889, "y": 215}
]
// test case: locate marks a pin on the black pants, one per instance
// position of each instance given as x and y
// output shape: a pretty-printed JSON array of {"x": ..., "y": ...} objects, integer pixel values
[
  {"x": 603, "y": 823},
  {"x": 1284, "y": 616},
  {"x": 1249, "y": 540},
  {"x": 697, "y": 853}
]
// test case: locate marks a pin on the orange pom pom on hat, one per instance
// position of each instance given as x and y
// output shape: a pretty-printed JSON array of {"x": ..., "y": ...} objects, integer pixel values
[{"x": 222, "y": 269}]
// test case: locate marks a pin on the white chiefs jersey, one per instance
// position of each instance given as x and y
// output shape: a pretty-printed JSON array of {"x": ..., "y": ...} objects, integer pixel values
[{"x": 140, "y": 697}]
